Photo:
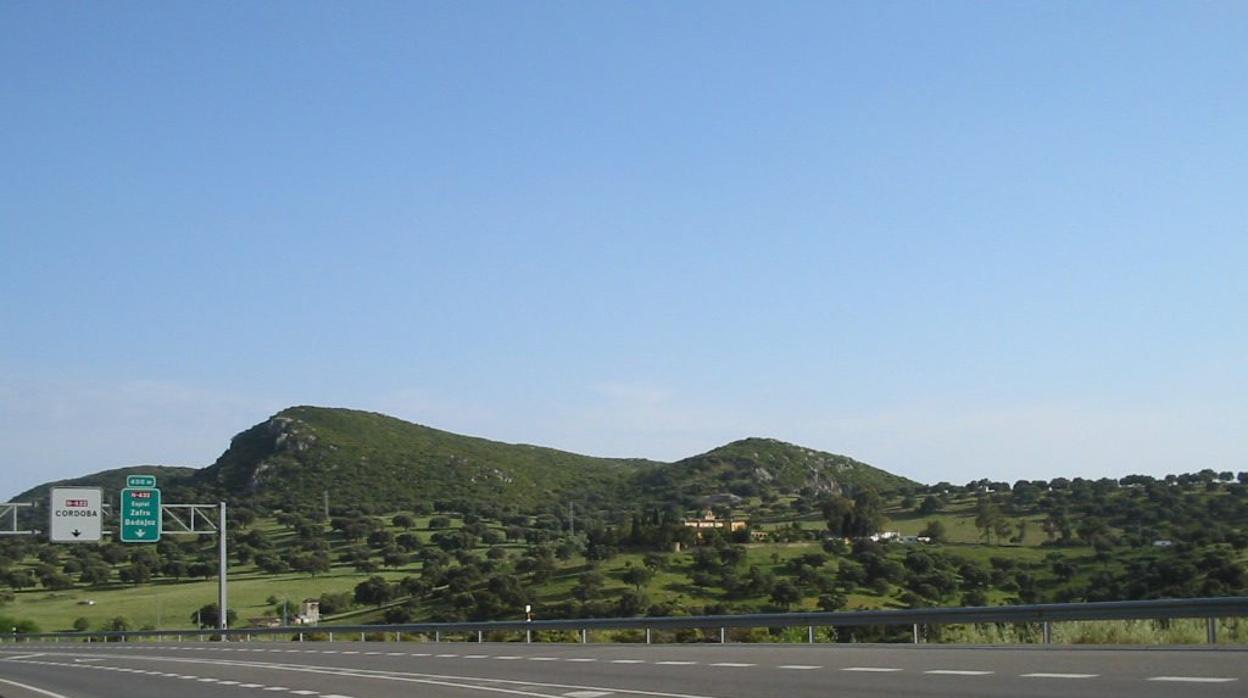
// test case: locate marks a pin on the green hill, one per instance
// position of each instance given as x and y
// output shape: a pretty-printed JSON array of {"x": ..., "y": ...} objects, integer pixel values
[
  {"x": 177, "y": 481},
  {"x": 753, "y": 466},
  {"x": 366, "y": 459}
]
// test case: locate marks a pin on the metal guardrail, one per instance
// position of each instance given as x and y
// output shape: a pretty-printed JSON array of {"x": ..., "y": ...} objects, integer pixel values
[{"x": 1209, "y": 609}]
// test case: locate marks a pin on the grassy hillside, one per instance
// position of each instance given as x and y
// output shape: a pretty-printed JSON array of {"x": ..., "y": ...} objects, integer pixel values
[
  {"x": 174, "y": 478},
  {"x": 365, "y": 457},
  {"x": 450, "y": 566},
  {"x": 372, "y": 460},
  {"x": 754, "y": 466}
]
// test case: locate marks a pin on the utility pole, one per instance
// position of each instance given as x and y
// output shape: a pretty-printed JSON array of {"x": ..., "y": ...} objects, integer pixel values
[{"x": 224, "y": 560}]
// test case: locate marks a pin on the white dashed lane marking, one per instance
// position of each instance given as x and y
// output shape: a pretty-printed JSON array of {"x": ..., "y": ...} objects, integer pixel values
[
  {"x": 734, "y": 665},
  {"x": 1046, "y": 675},
  {"x": 957, "y": 672},
  {"x": 673, "y": 663},
  {"x": 1192, "y": 679}
]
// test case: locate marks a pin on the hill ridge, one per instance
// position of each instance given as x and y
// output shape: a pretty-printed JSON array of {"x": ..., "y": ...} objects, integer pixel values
[{"x": 367, "y": 457}]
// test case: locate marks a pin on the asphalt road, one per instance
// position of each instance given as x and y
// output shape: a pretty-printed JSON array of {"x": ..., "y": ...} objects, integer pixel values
[{"x": 469, "y": 670}]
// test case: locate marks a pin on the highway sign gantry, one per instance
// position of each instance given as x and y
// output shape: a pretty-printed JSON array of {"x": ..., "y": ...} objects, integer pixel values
[
  {"x": 140, "y": 515},
  {"x": 76, "y": 514}
]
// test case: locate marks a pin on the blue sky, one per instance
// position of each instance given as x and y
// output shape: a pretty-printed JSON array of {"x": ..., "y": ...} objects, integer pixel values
[{"x": 955, "y": 240}]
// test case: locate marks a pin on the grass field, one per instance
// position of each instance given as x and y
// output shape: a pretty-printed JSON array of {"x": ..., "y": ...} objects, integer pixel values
[{"x": 168, "y": 604}]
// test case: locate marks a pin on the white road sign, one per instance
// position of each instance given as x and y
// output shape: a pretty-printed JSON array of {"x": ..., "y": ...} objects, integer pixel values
[{"x": 77, "y": 513}]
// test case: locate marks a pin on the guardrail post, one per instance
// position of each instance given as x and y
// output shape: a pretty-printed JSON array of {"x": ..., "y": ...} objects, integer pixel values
[
  {"x": 916, "y": 633},
  {"x": 361, "y": 637},
  {"x": 480, "y": 637},
  {"x": 723, "y": 635},
  {"x": 331, "y": 636},
  {"x": 1047, "y": 632},
  {"x": 810, "y": 634},
  {"x": 301, "y": 636},
  {"x": 584, "y": 636},
  {"x": 437, "y": 636},
  {"x": 647, "y": 636},
  {"x": 1211, "y": 630},
  {"x": 528, "y": 635}
]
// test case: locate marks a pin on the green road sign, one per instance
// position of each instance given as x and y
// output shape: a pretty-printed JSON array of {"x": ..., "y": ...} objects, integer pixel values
[
  {"x": 143, "y": 481},
  {"x": 140, "y": 515}
]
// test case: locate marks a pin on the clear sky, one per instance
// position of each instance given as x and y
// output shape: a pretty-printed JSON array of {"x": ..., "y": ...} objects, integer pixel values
[{"x": 955, "y": 240}]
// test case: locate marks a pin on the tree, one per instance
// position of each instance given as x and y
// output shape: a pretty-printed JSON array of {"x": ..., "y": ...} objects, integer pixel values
[
  {"x": 21, "y": 579},
  {"x": 208, "y": 615},
  {"x": 837, "y": 513},
  {"x": 988, "y": 518},
  {"x": 786, "y": 594},
  {"x": 81, "y": 624},
  {"x": 655, "y": 561},
  {"x": 638, "y": 577},
  {"x": 95, "y": 575},
  {"x": 136, "y": 574},
  {"x": 934, "y": 530},
  {"x": 373, "y": 591},
  {"x": 832, "y": 602},
  {"x": 588, "y": 586},
  {"x": 403, "y": 521},
  {"x": 311, "y": 563},
  {"x": 394, "y": 557}
]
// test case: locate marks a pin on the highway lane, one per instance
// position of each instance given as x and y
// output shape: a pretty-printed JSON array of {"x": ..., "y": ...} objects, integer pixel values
[{"x": 461, "y": 670}]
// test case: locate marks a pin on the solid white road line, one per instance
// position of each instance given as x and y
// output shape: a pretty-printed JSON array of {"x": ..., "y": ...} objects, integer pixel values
[
  {"x": 1191, "y": 679},
  {"x": 1046, "y": 675},
  {"x": 32, "y": 689}
]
